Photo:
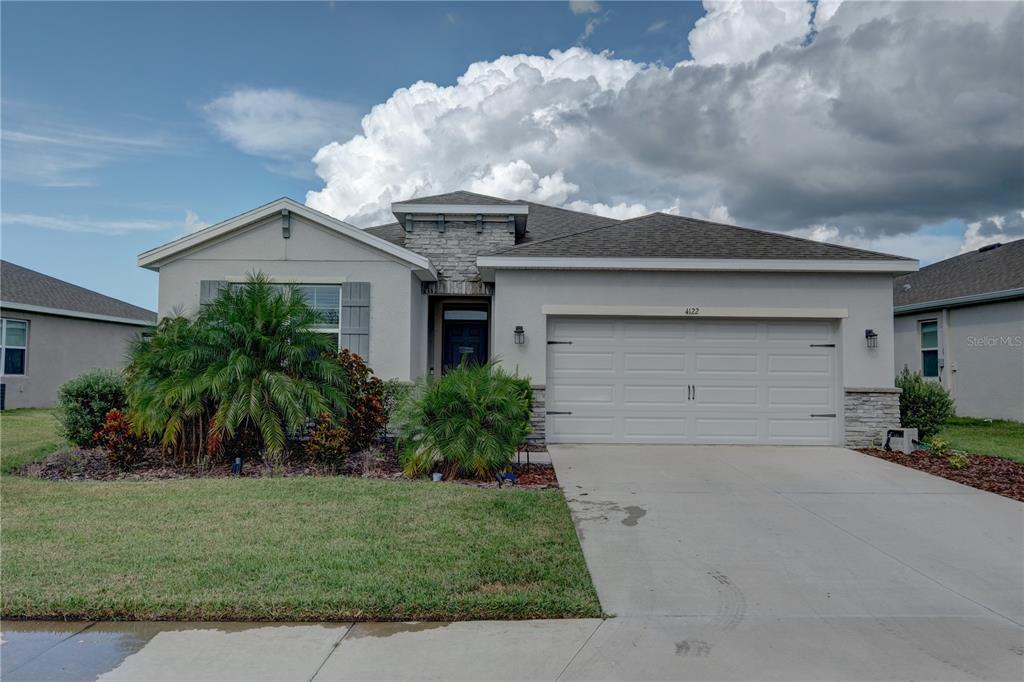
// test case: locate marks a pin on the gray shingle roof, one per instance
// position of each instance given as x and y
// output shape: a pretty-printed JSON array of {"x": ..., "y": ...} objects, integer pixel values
[
  {"x": 969, "y": 274},
  {"x": 21, "y": 285},
  {"x": 660, "y": 235},
  {"x": 543, "y": 221},
  {"x": 459, "y": 197}
]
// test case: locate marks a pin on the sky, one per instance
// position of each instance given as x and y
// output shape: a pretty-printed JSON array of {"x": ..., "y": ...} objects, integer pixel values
[{"x": 895, "y": 127}]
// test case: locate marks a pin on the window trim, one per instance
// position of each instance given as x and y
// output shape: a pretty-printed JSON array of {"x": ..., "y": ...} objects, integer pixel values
[
  {"x": 3, "y": 346},
  {"x": 929, "y": 349}
]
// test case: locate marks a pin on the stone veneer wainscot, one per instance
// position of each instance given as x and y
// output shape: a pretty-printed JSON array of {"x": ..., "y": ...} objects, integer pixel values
[{"x": 869, "y": 412}]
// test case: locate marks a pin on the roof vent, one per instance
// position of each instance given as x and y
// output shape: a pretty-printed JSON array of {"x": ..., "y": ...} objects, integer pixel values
[{"x": 989, "y": 247}]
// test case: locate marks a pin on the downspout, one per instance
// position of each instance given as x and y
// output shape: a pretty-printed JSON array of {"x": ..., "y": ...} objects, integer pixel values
[{"x": 947, "y": 345}]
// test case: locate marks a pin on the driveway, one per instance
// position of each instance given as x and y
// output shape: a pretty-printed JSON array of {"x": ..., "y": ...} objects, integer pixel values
[{"x": 809, "y": 563}]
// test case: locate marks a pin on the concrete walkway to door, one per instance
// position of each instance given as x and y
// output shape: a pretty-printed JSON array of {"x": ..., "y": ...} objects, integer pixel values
[{"x": 792, "y": 563}]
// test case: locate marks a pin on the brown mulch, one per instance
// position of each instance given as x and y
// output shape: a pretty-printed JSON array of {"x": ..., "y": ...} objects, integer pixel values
[
  {"x": 994, "y": 474},
  {"x": 381, "y": 463}
]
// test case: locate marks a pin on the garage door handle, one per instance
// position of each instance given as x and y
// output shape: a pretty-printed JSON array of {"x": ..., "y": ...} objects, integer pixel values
[
  {"x": 823, "y": 345},
  {"x": 556, "y": 412},
  {"x": 559, "y": 343},
  {"x": 832, "y": 414}
]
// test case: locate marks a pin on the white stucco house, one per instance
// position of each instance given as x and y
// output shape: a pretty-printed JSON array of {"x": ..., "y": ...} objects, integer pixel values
[
  {"x": 960, "y": 322},
  {"x": 659, "y": 329},
  {"x": 51, "y": 331}
]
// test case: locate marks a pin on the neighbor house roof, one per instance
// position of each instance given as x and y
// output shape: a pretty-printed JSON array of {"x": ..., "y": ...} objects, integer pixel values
[
  {"x": 660, "y": 235},
  {"x": 28, "y": 290},
  {"x": 543, "y": 222},
  {"x": 992, "y": 272}
]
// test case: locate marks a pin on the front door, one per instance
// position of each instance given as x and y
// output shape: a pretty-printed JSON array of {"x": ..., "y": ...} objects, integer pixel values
[{"x": 464, "y": 340}]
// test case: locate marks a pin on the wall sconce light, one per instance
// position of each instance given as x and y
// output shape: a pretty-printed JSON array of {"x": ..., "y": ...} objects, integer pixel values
[
  {"x": 519, "y": 334},
  {"x": 871, "y": 337}
]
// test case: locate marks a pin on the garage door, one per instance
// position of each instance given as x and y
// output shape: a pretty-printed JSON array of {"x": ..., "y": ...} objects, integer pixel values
[{"x": 640, "y": 380}]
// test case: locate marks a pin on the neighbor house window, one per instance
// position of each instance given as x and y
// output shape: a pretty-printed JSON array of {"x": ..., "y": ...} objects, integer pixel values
[
  {"x": 930, "y": 348},
  {"x": 14, "y": 334}
]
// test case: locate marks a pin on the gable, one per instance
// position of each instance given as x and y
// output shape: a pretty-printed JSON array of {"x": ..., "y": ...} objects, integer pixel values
[{"x": 259, "y": 235}]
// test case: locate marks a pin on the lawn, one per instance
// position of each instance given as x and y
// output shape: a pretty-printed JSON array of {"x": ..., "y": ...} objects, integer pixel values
[
  {"x": 26, "y": 435},
  {"x": 978, "y": 436},
  {"x": 308, "y": 548}
]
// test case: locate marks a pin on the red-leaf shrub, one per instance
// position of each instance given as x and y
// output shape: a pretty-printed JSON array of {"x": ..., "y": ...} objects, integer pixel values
[
  {"x": 327, "y": 442},
  {"x": 117, "y": 438},
  {"x": 366, "y": 416}
]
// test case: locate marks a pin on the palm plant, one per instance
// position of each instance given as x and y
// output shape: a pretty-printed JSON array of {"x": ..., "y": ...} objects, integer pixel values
[
  {"x": 468, "y": 421},
  {"x": 250, "y": 363}
]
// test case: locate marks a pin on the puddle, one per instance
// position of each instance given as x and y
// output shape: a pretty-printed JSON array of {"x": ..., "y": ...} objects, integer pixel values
[{"x": 362, "y": 630}]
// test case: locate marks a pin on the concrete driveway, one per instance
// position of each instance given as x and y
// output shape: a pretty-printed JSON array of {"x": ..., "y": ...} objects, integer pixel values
[{"x": 792, "y": 563}]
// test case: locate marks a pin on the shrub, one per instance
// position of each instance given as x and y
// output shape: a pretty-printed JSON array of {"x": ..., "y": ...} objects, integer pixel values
[
  {"x": 938, "y": 447},
  {"x": 958, "y": 460},
  {"x": 366, "y": 417},
  {"x": 393, "y": 393},
  {"x": 468, "y": 421},
  {"x": 85, "y": 401},
  {"x": 247, "y": 370},
  {"x": 118, "y": 438},
  {"x": 924, "y": 405},
  {"x": 327, "y": 442}
]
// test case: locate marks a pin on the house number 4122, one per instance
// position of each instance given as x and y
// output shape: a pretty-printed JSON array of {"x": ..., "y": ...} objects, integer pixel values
[{"x": 692, "y": 311}]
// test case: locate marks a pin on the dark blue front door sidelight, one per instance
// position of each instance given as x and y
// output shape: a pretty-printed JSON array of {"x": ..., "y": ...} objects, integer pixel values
[{"x": 464, "y": 339}]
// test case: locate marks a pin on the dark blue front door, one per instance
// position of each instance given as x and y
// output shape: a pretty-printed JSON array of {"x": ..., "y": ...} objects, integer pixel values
[{"x": 464, "y": 339}]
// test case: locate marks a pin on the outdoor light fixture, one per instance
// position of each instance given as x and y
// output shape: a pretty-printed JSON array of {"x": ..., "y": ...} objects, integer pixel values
[
  {"x": 520, "y": 334},
  {"x": 871, "y": 337}
]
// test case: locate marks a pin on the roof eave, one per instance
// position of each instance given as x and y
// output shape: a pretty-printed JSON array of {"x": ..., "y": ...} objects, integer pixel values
[
  {"x": 61, "y": 312},
  {"x": 958, "y": 301},
  {"x": 489, "y": 264}
]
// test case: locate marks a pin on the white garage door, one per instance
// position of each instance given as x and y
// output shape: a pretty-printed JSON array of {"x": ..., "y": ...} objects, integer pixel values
[{"x": 640, "y": 380}]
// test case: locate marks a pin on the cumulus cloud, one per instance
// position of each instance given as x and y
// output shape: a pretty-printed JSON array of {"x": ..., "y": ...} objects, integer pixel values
[
  {"x": 996, "y": 229},
  {"x": 279, "y": 124},
  {"x": 894, "y": 116},
  {"x": 740, "y": 30}
]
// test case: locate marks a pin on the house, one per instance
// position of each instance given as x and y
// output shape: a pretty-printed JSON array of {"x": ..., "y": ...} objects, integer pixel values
[
  {"x": 659, "y": 329},
  {"x": 961, "y": 323},
  {"x": 52, "y": 331}
]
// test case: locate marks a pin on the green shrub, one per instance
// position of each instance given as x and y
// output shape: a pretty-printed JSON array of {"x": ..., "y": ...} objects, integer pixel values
[
  {"x": 938, "y": 447},
  {"x": 85, "y": 401},
  {"x": 118, "y": 439},
  {"x": 958, "y": 460},
  {"x": 924, "y": 405},
  {"x": 468, "y": 421},
  {"x": 393, "y": 393}
]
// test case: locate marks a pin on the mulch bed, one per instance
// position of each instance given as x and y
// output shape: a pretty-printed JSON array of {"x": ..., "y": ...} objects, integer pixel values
[
  {"x": 90, "y": 464},
  {"x": 994, "y": 474}
]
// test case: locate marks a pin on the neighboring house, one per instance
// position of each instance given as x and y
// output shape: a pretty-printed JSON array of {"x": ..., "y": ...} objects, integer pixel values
[
  {"x": 961, "y": 322},
  {"x": 659, "y": 329},
  {"x": 53, "y": 331}
]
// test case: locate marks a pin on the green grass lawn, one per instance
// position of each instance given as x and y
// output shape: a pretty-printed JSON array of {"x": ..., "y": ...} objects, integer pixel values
[
  {"x": 281, "y": 549},
  {"x": 997, "y": 437},
  {"x": 26, "y": 435}
]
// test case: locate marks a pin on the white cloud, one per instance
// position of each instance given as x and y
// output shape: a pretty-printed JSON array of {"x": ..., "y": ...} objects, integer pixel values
[
  {"x": 657, "y": 26},
  {"x": 584, "y": 6},
  {"x": 895, "y": 116},
  {"x": 619, "y": 211},
  {"x": 279, "y": 124},
  {"x": 64, "y": 223},
  {"x": 193, "y": 223},
  {"x": 66, "y": 155},
  {"x": 740, "y": 30},
  {"x": 996, "y": 229}
]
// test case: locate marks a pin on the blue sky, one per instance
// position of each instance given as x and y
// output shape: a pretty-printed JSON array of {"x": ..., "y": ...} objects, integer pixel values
[{"x": 120, "y": 131}]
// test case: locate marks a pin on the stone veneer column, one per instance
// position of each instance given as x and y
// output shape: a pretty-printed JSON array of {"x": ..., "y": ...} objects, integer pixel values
[
  {"x": 454, "y": 251},
  {"x": 537, "y": 421},
  {"x": 869, "y": 412}
]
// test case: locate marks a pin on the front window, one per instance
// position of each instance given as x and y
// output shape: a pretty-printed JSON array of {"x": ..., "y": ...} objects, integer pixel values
[
  {"x": 14, "y": 334},
  {"x": 326, "y": 300},
  {"x": 930, "y": 348}
]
